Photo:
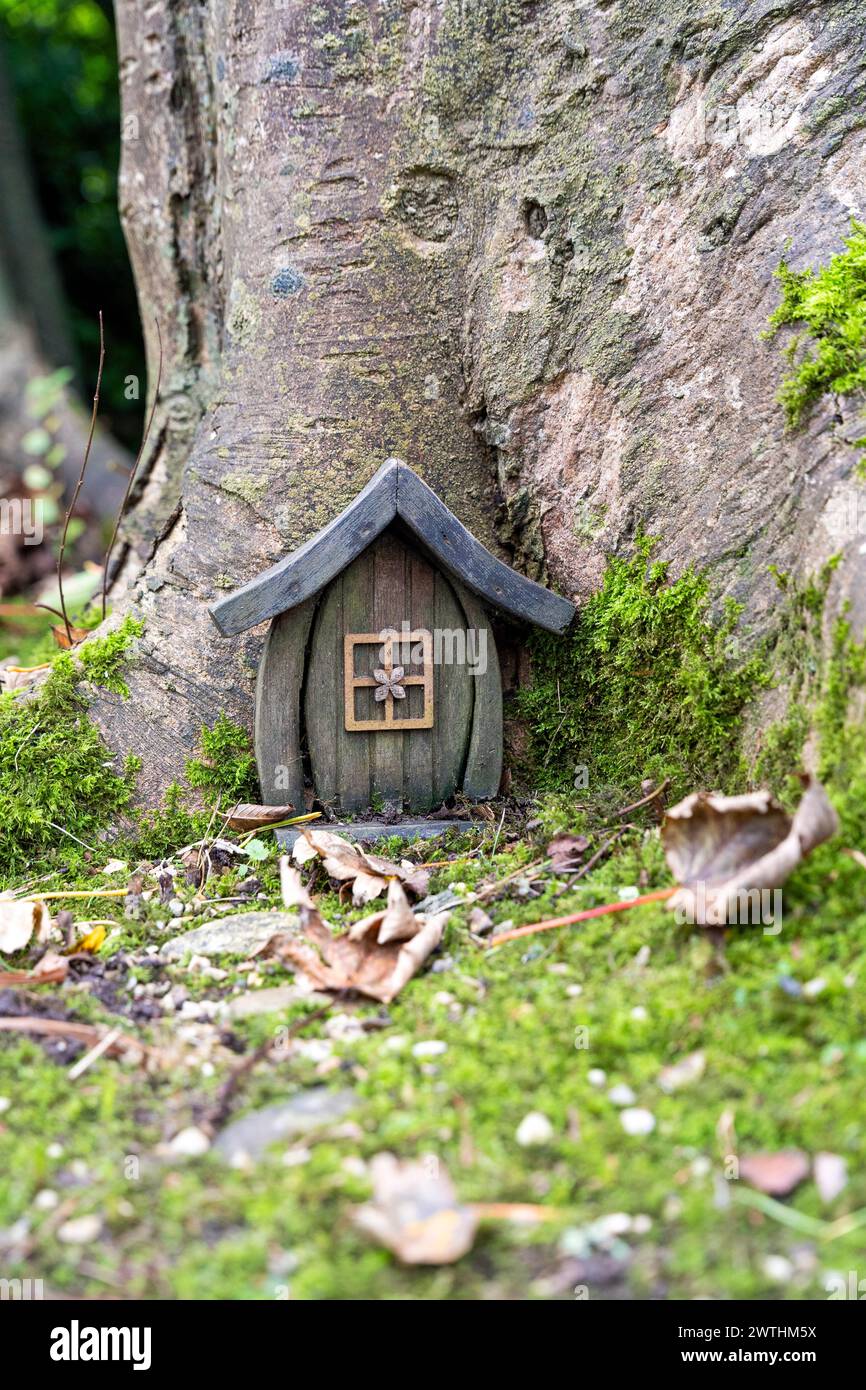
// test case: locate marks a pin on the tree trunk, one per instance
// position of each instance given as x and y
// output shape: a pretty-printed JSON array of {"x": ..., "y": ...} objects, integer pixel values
[{"x": 525, "y": 245}]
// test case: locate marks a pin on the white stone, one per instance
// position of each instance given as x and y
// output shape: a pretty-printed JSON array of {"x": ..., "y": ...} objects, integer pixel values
[
  {"x": 621, "y": 1095},
  {"x": 191, "y": 1142},
  {"x": 596, "y": 1077},
  {"x": 778, "y": 1269},
  {"x": 46, "y": 1200},
  {"x": 637, "y": 1121},
  {"x": 81, "y": 1230},
  {"x": 5, "y": 1103},
  {"x": 534, "y": 1129},
  {"x": 432, "y": 1048}
]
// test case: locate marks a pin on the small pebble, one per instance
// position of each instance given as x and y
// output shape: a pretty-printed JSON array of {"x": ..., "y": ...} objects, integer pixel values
[
  {"x": 294, "y": 1158},
  {"x": 637, "y": 1121},
  {"x": 596, "y": 1077},
  {"x": 46, "y": 1200},
  {"x": 175, "y": 907},
  {"x": 81, "y": 1230},
  {"x": 642, "y": 1224},
  {"x": 5, "y": 1103},
  {"x": 429, "y": 1049},
  {"x": 574, "y": 991},
  {"x": 534, "y": 1129},
  {"x": 778, "y": 1269},
  {"x": 621, "y": 1095},
  {"x": 812, "y": 988},
  {"x": 191, "y": 1142},
  {"x": 639, "y": 1013},
  {"x": 619, "y": 1223},
  {"x": 54, "y": 1151}
]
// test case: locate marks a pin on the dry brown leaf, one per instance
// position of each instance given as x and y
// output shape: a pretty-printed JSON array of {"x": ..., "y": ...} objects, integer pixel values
[
  {"x": 52, "y": 969},
  {"x": 62, "y": 637},
  {"x": 249, "y": 816},
  {"x": 19, "y": 919},
  {"x": 369, "y": 874},
  {"x": 566, "y": 851},
  {"x": 719, "y": 847},
  {"x": 293, "y": 890},
  {"x": 777, "y": 1174},
  {"x": 359, "y": 963},
  {"x": 415, "y": 1212}
]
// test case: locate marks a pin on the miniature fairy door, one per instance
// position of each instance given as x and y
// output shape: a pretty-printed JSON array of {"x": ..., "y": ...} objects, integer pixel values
[{"x": 388, "y": 721}]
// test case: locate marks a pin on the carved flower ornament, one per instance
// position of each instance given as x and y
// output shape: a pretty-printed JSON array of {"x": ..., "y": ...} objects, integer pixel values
[{"x": 389, "y": 684}]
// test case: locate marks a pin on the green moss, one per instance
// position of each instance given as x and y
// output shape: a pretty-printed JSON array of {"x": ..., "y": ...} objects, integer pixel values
[
  {"x": 645, "y": 686},
  {"x": 828, "y": 307},
  {"x": 227, "y": 766},
  {"x": 57, "y": 785}
]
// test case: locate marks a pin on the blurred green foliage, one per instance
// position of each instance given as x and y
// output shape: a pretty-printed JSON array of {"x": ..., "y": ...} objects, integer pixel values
[{"x": 62, "y": 62}]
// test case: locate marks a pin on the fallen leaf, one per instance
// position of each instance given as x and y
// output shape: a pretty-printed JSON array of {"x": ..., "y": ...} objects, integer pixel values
[
  {"x": 65, "y": 639},
  {"x": 368, "y": 873},
  {"x": 415, "y": 1212},
  {"x": 359, "y": 962},
  {"x": 52, "y": 969},
  {"x": 397, "y": 923},
  {"x": 722, "y": 847},
  {"x": 90, "y": 942},
  {"x": 19, "y": 919},
  {"x": 776, "y": 1174},
  {"x": 247, "y": 816},
  {"x": 683, "y": 1073},
  {"x": 566, "y": 851}
]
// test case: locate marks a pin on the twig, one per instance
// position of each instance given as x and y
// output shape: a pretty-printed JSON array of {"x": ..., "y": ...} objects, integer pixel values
[
  {"x": 645, "y": 801},
  {"x": 857, "y": 855},
  {"x": 582, "y": 916},
  {"x": 526, "y": 1213},
  {"x": 24, "y": 740},
  {"x": 83, "y": 893},
  {"x": 96, "y": 1052},
  {"x": 78, "y": 1032},
  {"x": 498, "y": 833},
  {"x": 62, "y": 831},
  {"x": 219, "y": 1113},
  {"x": 80, "y": 482},
  {"x": 492, "y": 888},
  {"x": 131, "y": 479}
]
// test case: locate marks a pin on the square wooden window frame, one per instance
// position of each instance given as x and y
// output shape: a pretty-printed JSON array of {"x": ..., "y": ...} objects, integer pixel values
[{"x": 351, "y": 682}]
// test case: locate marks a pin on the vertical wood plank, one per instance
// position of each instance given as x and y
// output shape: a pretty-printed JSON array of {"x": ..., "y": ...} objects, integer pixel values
[
  {"x": 454, "y": 696},
  {"x": 323, "y": 694},
  {"x": 355, "y": 749},
  {"x": 484, "y": 760},
  {"x": 390, "y": 609},
  {"x": 277, "y": 738},
  {"x": 418, "y": 745}
]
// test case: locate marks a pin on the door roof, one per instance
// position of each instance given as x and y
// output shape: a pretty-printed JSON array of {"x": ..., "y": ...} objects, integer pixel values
[{"x": 393, "y": 493}]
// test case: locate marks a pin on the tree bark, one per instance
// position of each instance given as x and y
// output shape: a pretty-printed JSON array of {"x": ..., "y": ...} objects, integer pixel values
[{"x": 526, "y": 245}]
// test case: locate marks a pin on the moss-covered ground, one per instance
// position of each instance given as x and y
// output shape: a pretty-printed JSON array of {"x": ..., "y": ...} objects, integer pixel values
[{"x": 525, "y": 1026}]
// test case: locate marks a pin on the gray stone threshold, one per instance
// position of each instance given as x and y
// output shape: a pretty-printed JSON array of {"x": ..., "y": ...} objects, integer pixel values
[{"x": 365, "y": 831}]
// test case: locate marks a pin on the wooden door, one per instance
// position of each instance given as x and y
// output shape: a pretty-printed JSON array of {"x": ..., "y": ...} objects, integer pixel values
[{"x": 391, "y": 587}]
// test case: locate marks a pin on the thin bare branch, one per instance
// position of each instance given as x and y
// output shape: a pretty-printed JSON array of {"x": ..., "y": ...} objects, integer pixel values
[
  {"x": 80, "y": 482},
  {"x": 131, "y": 479}
]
